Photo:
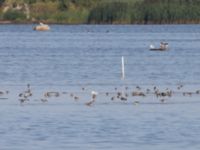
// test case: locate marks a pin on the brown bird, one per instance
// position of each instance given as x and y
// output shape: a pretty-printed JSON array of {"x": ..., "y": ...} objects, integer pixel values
[
  {"x": 90, "y": 102},
  {"x": 138, "y": 94},
  {"x": 94, "y": 95},
  {"x": 51, "y": 94}
]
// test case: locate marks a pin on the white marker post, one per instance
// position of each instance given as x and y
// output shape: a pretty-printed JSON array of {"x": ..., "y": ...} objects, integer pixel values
[{"x": 123, "y": 69}]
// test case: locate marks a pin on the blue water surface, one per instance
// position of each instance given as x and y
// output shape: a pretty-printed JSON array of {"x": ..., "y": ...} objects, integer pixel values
[{"x": 67, "y": 58}]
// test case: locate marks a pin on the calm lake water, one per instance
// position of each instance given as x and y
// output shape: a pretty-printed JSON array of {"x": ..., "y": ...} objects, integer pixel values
[{"x": 69, "y": 58}]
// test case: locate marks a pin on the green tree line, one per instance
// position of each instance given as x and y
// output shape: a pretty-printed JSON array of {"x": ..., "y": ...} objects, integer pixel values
[{"x": 101, "y": 11}]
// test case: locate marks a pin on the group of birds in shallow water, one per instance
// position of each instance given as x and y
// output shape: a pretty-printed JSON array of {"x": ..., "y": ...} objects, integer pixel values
[{"x": 118, "y": 94}]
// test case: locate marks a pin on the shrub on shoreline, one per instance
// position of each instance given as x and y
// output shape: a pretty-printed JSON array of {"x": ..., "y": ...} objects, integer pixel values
[{"x": 14, "y": 15}]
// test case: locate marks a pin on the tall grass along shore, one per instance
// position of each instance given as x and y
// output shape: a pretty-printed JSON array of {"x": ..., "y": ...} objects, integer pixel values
[{"x": 100, "y": 11}]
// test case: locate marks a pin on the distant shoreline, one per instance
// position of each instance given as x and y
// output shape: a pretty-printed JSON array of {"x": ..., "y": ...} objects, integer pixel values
[
  {"x": 4, "y": 22},
  {"x": 100, "y": 12}
]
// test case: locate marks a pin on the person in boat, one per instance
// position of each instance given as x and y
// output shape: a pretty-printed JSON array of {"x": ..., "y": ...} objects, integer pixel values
[{"x": 163, "y": 45}]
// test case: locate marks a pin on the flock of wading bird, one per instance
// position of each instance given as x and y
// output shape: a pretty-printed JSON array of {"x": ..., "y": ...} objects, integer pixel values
[{"x": 117, "y": 94}]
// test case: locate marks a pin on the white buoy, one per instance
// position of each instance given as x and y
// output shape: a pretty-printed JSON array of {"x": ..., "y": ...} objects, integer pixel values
[{"x": 123, "y": 69}]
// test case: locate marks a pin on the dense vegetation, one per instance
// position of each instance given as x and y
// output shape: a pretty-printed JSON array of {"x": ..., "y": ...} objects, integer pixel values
[
  {"x": 101, "y": 11},
  {"x": 168, "y": 11}
]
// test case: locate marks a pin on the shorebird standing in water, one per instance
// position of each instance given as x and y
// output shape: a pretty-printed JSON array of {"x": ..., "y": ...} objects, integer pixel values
[{"x": 94, "y": 95}]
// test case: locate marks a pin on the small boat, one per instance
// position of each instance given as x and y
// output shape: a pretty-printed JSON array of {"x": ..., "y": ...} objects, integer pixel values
[
  {"x": 41, "y": 27},
  {"x": 163, "y": 47},
  {"x": 157, "y": 49}
]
